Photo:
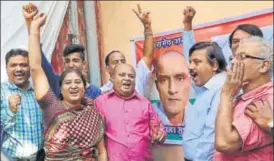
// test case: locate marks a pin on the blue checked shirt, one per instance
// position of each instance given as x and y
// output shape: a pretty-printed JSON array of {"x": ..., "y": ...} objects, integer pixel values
[{"x": 21, "y": 132}]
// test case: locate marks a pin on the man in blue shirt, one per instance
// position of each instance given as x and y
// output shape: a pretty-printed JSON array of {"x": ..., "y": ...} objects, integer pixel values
[
  {"x": 21, "y": 116},
  {"x": 73, "y": 56},
  {"x": 207, "y": 65}
]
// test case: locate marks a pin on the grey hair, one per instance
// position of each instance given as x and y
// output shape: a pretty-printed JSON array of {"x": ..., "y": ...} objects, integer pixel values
[{"x": 266, "y": 49}]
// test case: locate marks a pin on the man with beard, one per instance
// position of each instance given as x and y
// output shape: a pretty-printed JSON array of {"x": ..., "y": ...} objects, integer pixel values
[
  {"x": 131, "y": 122},
  {"x": 21, "y": 117},
  {"x": 237, "y": 136}
]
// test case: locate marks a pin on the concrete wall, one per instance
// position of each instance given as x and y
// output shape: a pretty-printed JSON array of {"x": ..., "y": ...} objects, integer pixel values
[{"x": 119, "y": 24}]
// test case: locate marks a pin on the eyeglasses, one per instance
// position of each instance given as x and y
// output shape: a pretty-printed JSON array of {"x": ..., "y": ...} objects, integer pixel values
[{"x": 244, "y": 56}]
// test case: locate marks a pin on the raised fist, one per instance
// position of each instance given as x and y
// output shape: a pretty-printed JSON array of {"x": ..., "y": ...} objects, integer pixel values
[
  {"x": 29, "y": 11},
  {"x": 14, "y": 101},
  {"x": 39, "y": 20},
  {"x": 189, "y": 13}
]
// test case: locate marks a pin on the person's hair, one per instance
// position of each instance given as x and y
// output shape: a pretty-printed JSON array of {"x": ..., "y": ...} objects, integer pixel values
[
  {"x": 64, "y": 74},
  {"x": 15, "y": 52},
  {"x": 72, "y": 48},
  {"x": 214, "y": 54},
  {"x": 266, "y": 49},
  {"x": 108, "y": 56},
  {"x": 253, "y": 30}
]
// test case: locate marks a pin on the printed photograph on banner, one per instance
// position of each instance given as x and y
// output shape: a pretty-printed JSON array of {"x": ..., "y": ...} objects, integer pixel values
[{"x": 173, "y": 41}]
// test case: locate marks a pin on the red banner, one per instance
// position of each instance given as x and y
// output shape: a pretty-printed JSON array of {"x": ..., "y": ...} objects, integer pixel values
[{"x": 173, "y": 40}]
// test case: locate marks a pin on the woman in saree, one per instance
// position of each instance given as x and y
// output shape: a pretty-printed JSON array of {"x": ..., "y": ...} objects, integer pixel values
[{"x": 74, "y": 130}]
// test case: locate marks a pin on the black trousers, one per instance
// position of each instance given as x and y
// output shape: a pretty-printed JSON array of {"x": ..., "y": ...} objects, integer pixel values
[
  {"x": 39, "y": 156},
  {"x": 187, "y": 159}
]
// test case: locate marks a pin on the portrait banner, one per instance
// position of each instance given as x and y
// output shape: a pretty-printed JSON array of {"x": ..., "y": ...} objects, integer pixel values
[{"x": 217, "y": 31}]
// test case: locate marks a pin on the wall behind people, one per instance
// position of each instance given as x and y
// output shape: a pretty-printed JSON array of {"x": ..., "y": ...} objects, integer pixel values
[{"x": 119, "y": 26}]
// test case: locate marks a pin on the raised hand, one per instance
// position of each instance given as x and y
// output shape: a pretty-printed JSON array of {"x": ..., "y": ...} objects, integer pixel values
[
  {"x": 38, "y": 21},
  {"x": 261, "y": 113},
  {"x": 143, "y": 16},
  {"x": 14, "y": 101},
  {"x": 29, "y": 11},
  {"x": 189, "y": 13},
  {"x": 234, "y": 79}
]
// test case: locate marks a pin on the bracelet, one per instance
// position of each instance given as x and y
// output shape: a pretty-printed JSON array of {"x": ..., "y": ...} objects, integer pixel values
[{"x": 148, "y": 33}]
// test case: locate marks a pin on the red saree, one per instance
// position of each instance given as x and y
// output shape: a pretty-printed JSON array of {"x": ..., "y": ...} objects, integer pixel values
[{"x": 71, "y": 134}]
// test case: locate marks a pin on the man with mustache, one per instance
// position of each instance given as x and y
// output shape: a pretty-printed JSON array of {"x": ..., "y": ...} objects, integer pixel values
[
  {"x": 207, "y": 69},
  {"x": 131, "y": 122},
  {"x": 207, "y": 66},
  {"x": 240, "y": 32},
  {"x": 238, "y": 137},
  {"x": 21, "y": 116}
]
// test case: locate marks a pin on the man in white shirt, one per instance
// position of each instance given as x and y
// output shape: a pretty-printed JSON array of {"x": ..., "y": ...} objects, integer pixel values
[{"x": 116, "y": 57}]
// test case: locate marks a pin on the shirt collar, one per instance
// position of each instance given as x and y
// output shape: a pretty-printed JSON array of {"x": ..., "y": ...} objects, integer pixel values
[
  {"x": 258, "y": 91},
  {"x": 12, "y": 86},
  {"x": 112, "y": 92},
  {"x": 216, "y": 79},
  {"x": 164, "y": 116}
]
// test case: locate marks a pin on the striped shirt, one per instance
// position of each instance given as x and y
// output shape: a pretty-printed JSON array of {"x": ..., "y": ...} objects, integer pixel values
[{"x": 23, "y": 130}]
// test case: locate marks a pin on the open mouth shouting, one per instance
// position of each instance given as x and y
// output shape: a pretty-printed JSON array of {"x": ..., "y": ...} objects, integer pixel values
[
  {"x": 194, "y": 75},
  {"x": 74, "y": 92},
  {"x": 19, "y": 75},
  {"x": 126, "y": 85}
]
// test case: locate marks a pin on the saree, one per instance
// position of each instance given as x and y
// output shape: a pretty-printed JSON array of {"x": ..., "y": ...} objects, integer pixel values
[{"x": 72, "y": 134}]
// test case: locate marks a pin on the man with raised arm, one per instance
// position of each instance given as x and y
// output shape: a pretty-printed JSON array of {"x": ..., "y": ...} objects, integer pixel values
[{"x": 116, "y": 57}]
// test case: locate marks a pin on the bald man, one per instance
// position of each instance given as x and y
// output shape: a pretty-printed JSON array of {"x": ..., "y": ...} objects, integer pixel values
[
  {"x": 173, "y": 83},
  {"x": 131, "y": 122}
]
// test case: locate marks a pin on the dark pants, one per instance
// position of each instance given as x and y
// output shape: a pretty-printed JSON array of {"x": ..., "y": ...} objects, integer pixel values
[
  {"x": 39, "y": 156},
  {"x": 32, "y": 157},
  {"x": 187, "y": 159}
]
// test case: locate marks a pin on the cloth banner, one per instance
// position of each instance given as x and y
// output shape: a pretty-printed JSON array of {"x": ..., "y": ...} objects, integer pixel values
[{"x": 14, "y": 31}]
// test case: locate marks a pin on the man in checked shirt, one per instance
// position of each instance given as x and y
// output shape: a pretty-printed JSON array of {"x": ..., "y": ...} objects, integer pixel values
[{"x": 21, "y": 117}]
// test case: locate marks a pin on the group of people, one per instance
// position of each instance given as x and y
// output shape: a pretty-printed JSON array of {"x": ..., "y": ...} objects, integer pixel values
[{"x": 63, "y": 117}]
